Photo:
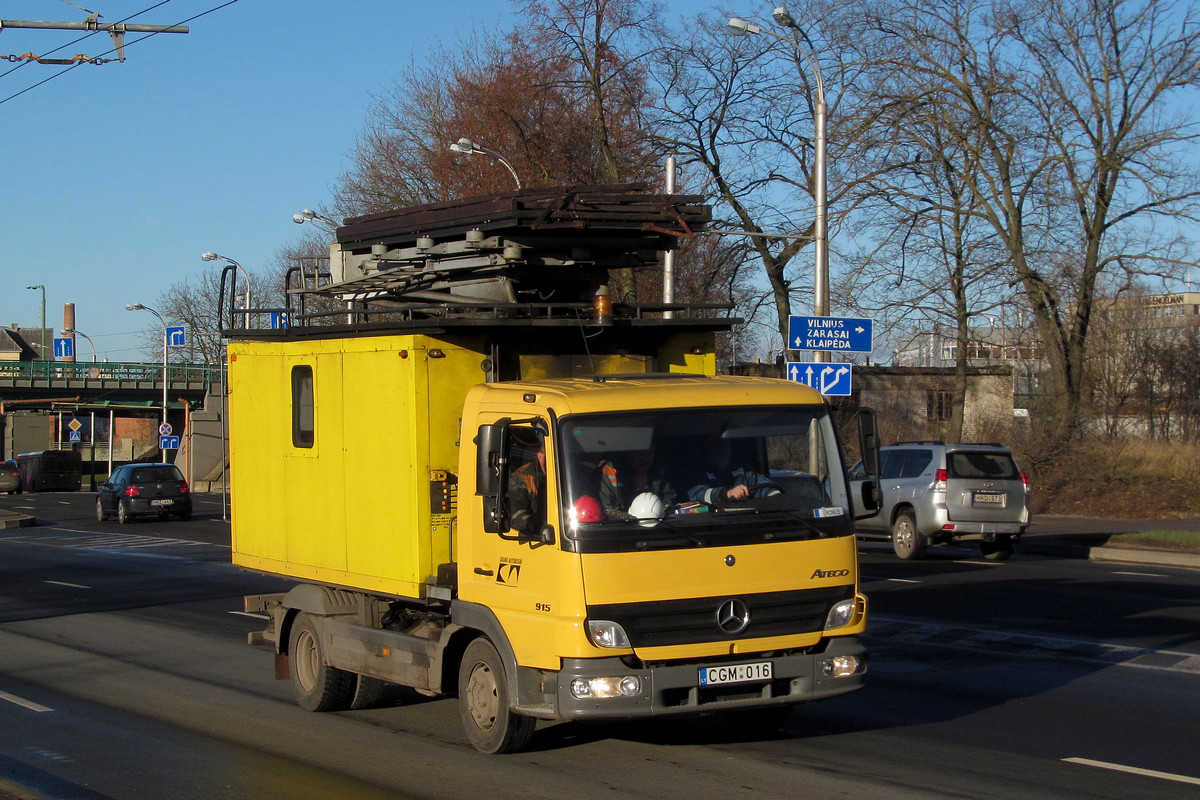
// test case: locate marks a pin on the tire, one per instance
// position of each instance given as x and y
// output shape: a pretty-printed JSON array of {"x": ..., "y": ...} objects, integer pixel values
[
  {"x": 316, "y": 685},
  {"x": 101, "y": 514},
  {"x": 123, "y": 515},
  {"x": 999, "y": 550},
  {"x": 483, "y": 702},
  {"x": 907, "y": 541},
  {"x": 367, "y": 692}
]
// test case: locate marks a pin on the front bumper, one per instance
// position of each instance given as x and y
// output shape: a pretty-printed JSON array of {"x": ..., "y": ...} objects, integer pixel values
[{"x": 673, "y": 689}]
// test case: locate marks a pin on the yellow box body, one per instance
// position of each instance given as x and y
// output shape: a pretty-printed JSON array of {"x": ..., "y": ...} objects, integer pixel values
[{"x": 352, "y": 509}]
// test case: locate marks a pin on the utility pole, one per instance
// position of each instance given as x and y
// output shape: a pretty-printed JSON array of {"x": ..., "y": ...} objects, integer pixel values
[{"x": 116, "y": 30}]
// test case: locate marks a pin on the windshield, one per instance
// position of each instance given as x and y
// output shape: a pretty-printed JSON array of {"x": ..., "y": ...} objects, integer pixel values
[{"x": 701, "y": 477}]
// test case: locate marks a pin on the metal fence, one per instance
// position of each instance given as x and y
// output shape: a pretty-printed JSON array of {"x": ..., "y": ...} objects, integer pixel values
[{"x": 104, "y": 373}]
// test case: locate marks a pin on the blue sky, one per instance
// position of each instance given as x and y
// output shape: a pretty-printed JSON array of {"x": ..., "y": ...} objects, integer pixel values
[{"x": 116, "y": 177}]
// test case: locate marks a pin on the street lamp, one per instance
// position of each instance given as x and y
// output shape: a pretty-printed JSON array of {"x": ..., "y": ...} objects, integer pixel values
[
  {"x": 43, "y": 288},
  {"x": 210, "y": 256},
  {"x": 140, "y": 307},
  {"x": 465, "y": 145},
  {"x": 74, "y": 332},
  {"x": 821, "y": 235},
  {"x": 308, "y": 215}
]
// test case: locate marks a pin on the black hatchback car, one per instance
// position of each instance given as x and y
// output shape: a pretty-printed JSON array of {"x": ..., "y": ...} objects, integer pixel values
[{"x": 135, "y": 489}]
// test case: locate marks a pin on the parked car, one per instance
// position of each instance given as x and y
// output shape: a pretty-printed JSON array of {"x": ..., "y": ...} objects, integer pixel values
[
  {"x": 10, "y": 477},
  {"x": 140, "y": 489},
  {"x": 937, "y": 493}
]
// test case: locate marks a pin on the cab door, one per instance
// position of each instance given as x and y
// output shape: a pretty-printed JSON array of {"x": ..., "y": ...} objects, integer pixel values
[{"x": 520, "y": 573}]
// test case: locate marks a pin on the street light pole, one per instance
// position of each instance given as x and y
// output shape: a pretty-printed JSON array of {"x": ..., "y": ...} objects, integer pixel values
[
  {"x": 74, "y": 332},
  {"x": 140, "y": 307},
  {"x": 465, "y": 145},
  {"x": 43, "y": 328},
  {"x": 210, "y": 256},
  {"x": 820, "y": 110}
]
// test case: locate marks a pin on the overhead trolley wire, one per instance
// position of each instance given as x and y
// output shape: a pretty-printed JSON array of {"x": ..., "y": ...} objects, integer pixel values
[{"x": 109, "y": 52}]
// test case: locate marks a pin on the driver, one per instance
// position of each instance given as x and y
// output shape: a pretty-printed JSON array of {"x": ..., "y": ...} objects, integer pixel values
[{"x": 723, "y": 482}]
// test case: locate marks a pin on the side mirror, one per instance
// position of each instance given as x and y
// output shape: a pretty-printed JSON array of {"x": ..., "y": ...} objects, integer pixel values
[{"x": 491, "y": 474}]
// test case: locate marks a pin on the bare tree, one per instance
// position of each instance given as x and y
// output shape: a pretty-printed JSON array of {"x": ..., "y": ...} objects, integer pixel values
[
  {"x": 1070, "y": 143},
  {"x": 739, "y": 111}
]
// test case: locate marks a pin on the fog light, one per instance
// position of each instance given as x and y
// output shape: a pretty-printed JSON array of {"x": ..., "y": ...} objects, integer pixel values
[
  {"x": 839, "y": 666},
  {"x": 840, "y": 614},
  {"x": 606, "y": 687}
]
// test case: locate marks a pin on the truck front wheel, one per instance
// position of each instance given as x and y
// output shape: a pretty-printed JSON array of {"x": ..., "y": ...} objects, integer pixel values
[
  {"x": 483, "y": 702},
  {"x": 316, "y": 685}
]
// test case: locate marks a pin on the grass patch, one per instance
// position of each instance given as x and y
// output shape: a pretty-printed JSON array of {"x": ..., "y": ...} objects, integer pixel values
[
  {"x": 1175, "y": 541},
  {"x": 1129, "y": 479}
]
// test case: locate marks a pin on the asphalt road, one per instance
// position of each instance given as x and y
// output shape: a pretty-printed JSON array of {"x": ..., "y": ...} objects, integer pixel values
[{"x": 124, "y": 673}]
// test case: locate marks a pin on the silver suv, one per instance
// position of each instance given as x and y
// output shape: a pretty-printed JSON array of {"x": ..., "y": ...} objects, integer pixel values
[{"x": 935, "y": 493}]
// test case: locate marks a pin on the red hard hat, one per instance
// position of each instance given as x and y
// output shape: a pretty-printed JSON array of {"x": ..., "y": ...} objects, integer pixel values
[{"x": 588, "y": 509}]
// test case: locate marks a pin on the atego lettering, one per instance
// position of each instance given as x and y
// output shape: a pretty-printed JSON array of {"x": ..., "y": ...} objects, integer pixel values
[{"x": 830, "y": 573}]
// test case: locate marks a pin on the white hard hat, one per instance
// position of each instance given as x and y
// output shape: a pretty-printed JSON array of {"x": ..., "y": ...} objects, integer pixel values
[{"x": 647, "y": 508}]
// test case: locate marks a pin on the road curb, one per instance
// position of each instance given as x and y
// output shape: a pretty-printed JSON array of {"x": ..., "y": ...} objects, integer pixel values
[
  {"x": 1115, "y": 555},
  {"x": 11, "y": 519}
]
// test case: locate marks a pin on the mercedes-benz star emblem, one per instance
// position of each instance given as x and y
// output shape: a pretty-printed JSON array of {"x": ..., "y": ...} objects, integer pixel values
[{"x": 733, "y": 616}]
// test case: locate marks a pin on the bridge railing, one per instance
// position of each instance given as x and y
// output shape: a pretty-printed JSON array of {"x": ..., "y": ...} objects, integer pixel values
[{"x": 121, "y": 373}]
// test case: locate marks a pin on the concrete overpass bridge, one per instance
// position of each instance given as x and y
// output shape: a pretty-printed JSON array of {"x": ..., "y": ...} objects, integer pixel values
[{"x": 112, "y": 410}]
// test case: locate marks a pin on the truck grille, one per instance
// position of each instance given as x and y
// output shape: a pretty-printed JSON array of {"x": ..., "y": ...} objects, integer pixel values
[{"x": 699, "y": 619}]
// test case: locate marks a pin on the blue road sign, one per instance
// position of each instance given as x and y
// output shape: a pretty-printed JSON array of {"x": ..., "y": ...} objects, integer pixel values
[
  {"x": 64, "y": 348},
  {"x": 168, "y": 443},
  {"x": 832, "y": 380},
  {"x": 165, "y": 429},
  {"x": 176, "y": 337},
  {"x": 849, "y": 334},
  {"x": 76, "y": 436},
  {"x": 279, "y": 319}
]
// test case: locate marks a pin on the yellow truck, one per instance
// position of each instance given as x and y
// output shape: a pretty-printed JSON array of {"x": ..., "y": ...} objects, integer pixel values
[{"x": 519, "y": 495}]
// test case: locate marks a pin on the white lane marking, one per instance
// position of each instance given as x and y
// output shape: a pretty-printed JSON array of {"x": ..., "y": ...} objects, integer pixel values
[
  {"x": 72, "y": 585},
  {"x": 901, "y": 580},
  {"x": 248, "y": 614},
  {"x": 21, "y": 701},
  {"x": 1141, "y": 574},
  {"x": 1149, "y": 773}
]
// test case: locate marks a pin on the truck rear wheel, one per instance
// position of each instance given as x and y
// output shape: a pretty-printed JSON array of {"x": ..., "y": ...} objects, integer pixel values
[
  {"x": 316, "y": 685},
  {"x": 907, "y": 541},
  {"x": 483, "y": 702}
]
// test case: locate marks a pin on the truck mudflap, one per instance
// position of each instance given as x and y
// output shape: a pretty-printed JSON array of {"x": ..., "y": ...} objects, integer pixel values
[{"x": 609, "y": 689}]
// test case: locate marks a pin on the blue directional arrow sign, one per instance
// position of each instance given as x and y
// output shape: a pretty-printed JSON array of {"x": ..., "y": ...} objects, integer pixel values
[
  {"x": 64, "y": 348},
  {"x": 832, "y": 380},
  {"x": 279, "y": 319},
  {"x": 168, "y": 443},
  {"x": 176, "y": 337},
  {"x": 849, "y": 334}
]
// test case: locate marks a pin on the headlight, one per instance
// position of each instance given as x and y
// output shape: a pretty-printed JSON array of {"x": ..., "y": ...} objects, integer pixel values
[
  {"x": 840, "y": 666},
  {"x": 840, "y": 614},
  {"x": 602, "y": 688},
  {"x": 606, "y": 633}
]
